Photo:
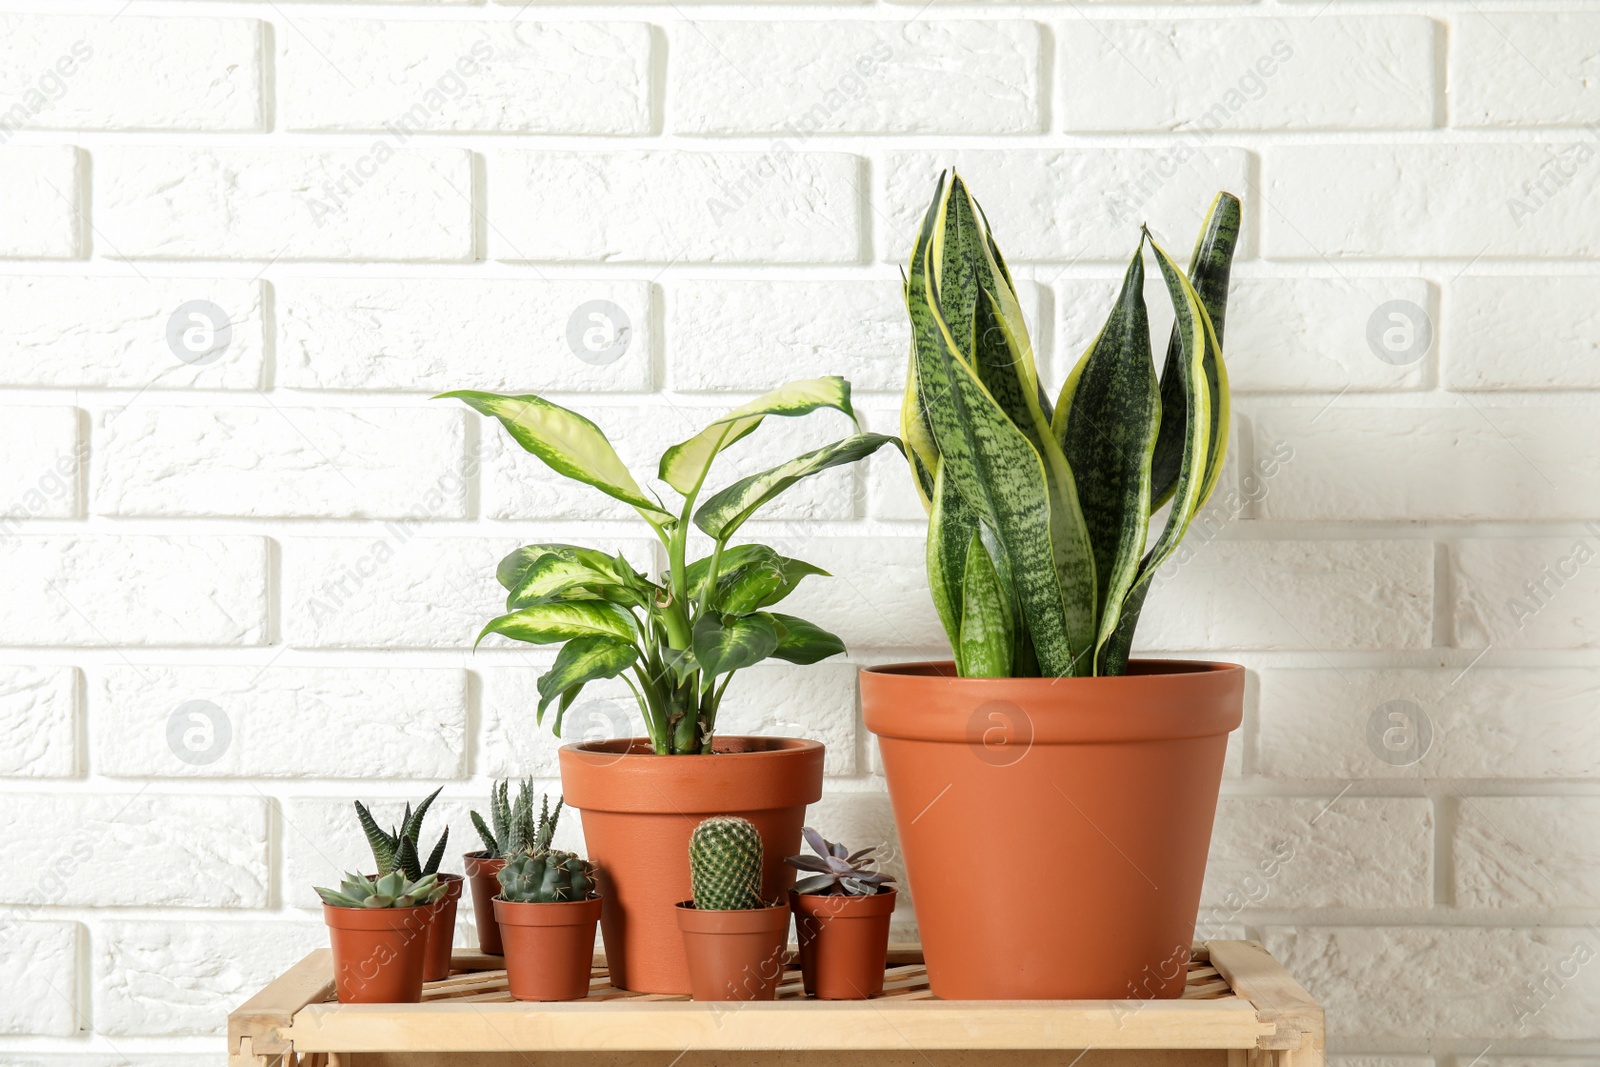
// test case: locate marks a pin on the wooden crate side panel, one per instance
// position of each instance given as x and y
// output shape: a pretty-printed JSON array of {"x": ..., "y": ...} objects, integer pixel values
[{"x": 882, "y": 1058}]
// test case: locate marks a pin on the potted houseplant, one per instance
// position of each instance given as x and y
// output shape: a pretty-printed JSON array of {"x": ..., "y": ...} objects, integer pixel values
[
  {"x": 547, "y": 910},
  {"x": 378, "y": 924},
  {"x": 677, "y": 641},
  {"x": 733, "y": 935},
  {"x": 841, "y": 914},
  {"x": 1044, "y": 739},
  {"x": 511, "y": 829},
  {"x": 400, "y": 849}
]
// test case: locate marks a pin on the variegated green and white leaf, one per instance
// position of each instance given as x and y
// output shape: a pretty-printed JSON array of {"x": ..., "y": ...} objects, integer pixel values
[
  {"x": 567, "y": 575},
  {"x": 684, "y": 465},
  {"x": 729, "y": 643},
  {"x": 546, "y": 624},
  {"x": 802, "y": 642},
  {"x": 569, "y": 443},
  {"x": 580, "y": 661},
  {"x": 726, "y": 511}
]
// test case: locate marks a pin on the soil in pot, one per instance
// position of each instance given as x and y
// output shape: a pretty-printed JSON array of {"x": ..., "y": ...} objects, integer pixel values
[
  {"x": 482, "y": 870},
  {"x": 1102, "y": 789},
  {"x": 549, "y": 948},
  {"x": 844, "y": 941},
  {"x": 378, "y": 953},
  {"x": 638, "y": 811},
  {"x": 734, "y": 955},
  {"x": 442, "y": 933}
]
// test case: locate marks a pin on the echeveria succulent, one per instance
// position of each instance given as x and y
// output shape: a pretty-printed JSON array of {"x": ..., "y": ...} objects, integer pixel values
[{"x": 836, "y": 871}]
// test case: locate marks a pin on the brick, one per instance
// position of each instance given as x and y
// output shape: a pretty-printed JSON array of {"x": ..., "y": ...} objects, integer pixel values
[
  {"x": 1526, "y": 592},
  {"x": 890, "y": 491},
  {"x": 1384, "y": 463},
  {"x": 1478, "y": 982},
  {"x": 802, "y": 79},
  {"x": 1275, "y": 853},
  {"x": 169, "y": 851},
  {"x": 42, "y": 450},
  {"x": 1309, "y": 595},
  {"x": 41, "y": 188},
  {"x": 520, "y": 486},
  {"x": 129, "y": 333},
  {"x": 399, "y": 590},
  {"x": 98, "y": 590},
  {"x": 39, "y": 989},
  {"x": 1526, "y": 852},
  {"x": 174, "y": 979},
  {"x": 38, "y": 722},
  {"x": 1523, "y": 69},
  {"x": 514, "y": 746},
  {"x": 1551, "y": 323},
  {"x": 1409, "y": 201},
  {"x": 1063, "y": 206},
  {"x": 278, "y": 721},
  {"x": 496, "y": 77},
  {"x": 379, "y": 203},
  {"x": 1341, "y": 325},
  {"x": 281, "y": 462},
  {"x": 1483, "y": 721},
  {"x": 877, "y": 596},
  {"x": 778, "y": 206},
  {"x": 498, "y": 335},
  {"x": 86, "y": 73},
  {"x": 1363, "y": 72},
  {"x": 321, "y": 838}
]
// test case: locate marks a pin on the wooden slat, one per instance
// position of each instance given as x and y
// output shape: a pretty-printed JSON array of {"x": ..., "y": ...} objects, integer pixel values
[
  {"x": 1297, "y": 1019},
  {"x": 260, "y": 1018}
]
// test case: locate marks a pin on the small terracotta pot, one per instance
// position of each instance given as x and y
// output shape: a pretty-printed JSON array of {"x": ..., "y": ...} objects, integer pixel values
[
  {"x": 549, "y": 947},
  {"x": 442, "y": 933},
  {"x": 734, "y": 955},
  {"x": 638, "y": 812},
  {"x": 844, "y": 942},
  {"x": 378, "y": 953},
  {"x": 482, "y": 869},
  {"x": 1102, "y": 789}
]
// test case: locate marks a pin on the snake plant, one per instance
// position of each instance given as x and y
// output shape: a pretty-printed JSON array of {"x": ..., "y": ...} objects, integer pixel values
[
  {"x": 1038, "y": 513},
  {"x": 679, "y": 639}
]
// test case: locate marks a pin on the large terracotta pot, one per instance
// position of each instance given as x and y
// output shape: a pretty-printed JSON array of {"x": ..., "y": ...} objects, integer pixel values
[
  {"x": 442, "y": 932},
  {"x": 844, "y": 943},
  {"x": 483, "y": 873},
  {"x": 549, "y": 947},
  {"x": 378, "y": 952},
  {"x": 638, "y": 812},
  {"x": 734, "y": 955},
  {"x": 1099, "y": 792}
]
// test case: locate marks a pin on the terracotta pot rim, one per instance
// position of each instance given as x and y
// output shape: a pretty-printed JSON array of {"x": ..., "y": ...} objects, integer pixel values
[
  {"x": 547, "y": 913},
  {"x": 850, "y": 908},
  {"x": 771, "y": 918},
  {"x": 638, "y": 748},
  {"x": 1141, "y": 669},
  {"x": 377, "y": 918},
  {"x": 614, "y": 776}
]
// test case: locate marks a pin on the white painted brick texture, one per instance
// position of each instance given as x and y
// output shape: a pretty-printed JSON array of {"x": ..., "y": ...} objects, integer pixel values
[{"x": 656, "y": 211}]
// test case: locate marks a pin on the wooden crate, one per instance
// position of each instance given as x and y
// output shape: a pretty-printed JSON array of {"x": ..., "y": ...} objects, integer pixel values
[{"x": 1239, "y": 1009}]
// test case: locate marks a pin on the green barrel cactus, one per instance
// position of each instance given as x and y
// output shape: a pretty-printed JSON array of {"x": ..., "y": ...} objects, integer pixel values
[
  {"x": 546, "y": 877},
  {"x": 725, "y": 864}
]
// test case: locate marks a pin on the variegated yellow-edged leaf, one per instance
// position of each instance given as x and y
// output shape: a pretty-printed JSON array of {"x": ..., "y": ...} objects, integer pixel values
[
  {"x": 726, "y": 511},
  {"x": 725, "y": 643},
  {"x": 580, "y": 661},
  {"x": 684, "y": 465},
  {"x": 546, "y": 624},
  {"x": 1106, "y": 421},
  {"x": 985, "y": 646},
  {"x": 567, "y": 576},
  {"x": 569, "y": 443},
  {"x": 951, "y": 527}
]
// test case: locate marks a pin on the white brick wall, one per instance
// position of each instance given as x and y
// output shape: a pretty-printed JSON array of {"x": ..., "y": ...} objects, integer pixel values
[{"x": 243, "y": 557}]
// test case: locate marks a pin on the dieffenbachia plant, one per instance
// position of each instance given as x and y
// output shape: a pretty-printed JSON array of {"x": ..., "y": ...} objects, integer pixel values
[
  {"x": 678, "y": 640},
  {"x": 1039, "y": 514}
]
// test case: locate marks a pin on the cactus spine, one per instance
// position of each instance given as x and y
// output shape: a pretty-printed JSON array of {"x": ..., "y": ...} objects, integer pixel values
[
  {"x": 546, "y": 877},
  {"x": 725, "y": 864}
]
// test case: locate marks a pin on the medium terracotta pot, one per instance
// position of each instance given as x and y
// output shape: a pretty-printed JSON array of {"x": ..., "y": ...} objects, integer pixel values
[
  {"x": 1102, "y": 790},
  {"x": 378, "y": 952},
  {"x": 482, "y": 869},
  {"x": 734, "y": 955},
  {"x": 549, "y": 947},
  {"x": 844, "y": 942},
  {"x": 638, "y": 812},
  {"x": 442, "y": 932}
]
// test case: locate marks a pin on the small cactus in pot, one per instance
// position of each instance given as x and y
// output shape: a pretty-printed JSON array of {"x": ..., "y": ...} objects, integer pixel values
[
  {"x": 733, "y": 938},
  {"x": 547, "y": 912},
  {"x": 725, "y": 857},
  {"x": 546, "y": 877}
]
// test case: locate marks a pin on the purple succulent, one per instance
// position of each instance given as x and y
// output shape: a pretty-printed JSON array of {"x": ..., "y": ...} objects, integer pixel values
[{"x": 836, "y": 871}]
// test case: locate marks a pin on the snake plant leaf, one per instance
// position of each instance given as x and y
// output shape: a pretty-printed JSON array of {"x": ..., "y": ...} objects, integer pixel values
[
  {"x": 728, "y": 509},
  {"x": 1197, "y": 340},
  {"x": 726, "y": 643},
  {"x": 546, "y": 624},
  {"x": 684, "y": 465},
  {"x": 1004, "y": 480},
  {"x": 570, "y": 444},
  {"x": 1106, "y": 420},
  {"x": 1209, "y": 270},
  {"x": 984, "y": 648},
  {"x": 802, "y": 642},
  {"x": 951, "y": 526},
  {"x": 583, "y": 660}
]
